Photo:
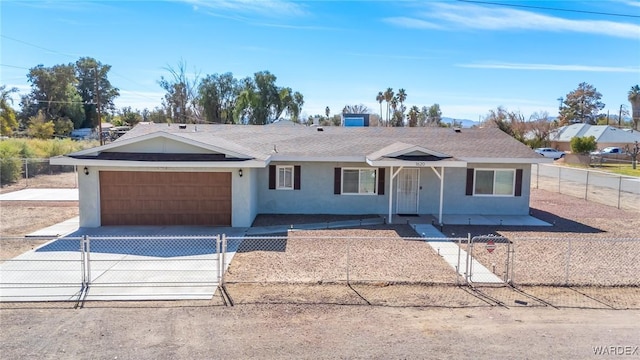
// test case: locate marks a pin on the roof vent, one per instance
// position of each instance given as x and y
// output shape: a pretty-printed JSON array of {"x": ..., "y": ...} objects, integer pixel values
[
  {"x": 182, "y": 126},
  {"x": 320, "y": 129},
  {"x": 457, "y": 129}
]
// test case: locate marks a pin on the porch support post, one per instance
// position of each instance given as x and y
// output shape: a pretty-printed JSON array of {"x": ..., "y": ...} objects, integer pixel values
[
  {"x": 441, "y": 195},
  {"x": 440, "y": 176},
  {"x": 392, "y": 175}
]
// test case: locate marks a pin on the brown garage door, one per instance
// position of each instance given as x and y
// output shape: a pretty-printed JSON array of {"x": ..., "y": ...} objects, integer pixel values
[{"x": 165, "y": 198}]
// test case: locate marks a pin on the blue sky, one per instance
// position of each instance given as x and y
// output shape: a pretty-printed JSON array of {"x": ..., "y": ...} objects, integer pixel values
[{"x": 468, "y": 57}]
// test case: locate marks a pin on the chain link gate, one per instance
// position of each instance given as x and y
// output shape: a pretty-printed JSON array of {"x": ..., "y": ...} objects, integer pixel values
[{"x": 491, "y": 264}]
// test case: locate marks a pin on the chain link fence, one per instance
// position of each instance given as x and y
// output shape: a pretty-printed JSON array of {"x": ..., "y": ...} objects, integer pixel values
[
  {"x": 34, "y": 172},
  {"x": 194, "y": 267},
  {"x": 619, "y": 191},
  {"x": 111, "y": 268}
]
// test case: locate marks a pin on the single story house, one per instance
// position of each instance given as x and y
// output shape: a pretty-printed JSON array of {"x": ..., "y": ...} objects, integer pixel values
[
  {"x": 175, "y": 174},
  {"x": 605, "y": 135}
]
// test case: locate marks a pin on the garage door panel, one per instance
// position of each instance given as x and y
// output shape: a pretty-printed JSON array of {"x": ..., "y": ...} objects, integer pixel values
[{"x": 165, "y": 198}]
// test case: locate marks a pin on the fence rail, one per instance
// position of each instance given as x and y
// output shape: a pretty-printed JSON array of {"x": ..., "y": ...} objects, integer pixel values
[{"x": 622, "y": 192}]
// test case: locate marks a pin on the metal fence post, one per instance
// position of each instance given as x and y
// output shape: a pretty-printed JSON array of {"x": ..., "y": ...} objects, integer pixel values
[
  {"x": 83, "y": 261},
  {"x": 568, "y": 262},
  {"x": 219, "y": 257},
  {"x": 586, "y": 186},
  {"x": 26, "y": 171},
  {"x": 88, "y": 258},
  {"x": 619, "y": 190},
  {"x": 348, "y": 262},
  {"x": 458, "y": 266},
  {"x": 223, "y": 252},
  {"x": 559, "y": 179},
  {"x": 467, "y": 271}
]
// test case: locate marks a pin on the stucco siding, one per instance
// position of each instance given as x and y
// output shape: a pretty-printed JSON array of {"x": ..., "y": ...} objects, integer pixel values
[
  {"x": 316, "y": 194},
  {"x": 457, "y": 202}
]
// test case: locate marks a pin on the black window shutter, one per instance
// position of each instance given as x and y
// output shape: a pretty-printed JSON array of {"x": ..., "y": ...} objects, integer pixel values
[
  {"x": 272, "y": 176},
  {"x": 337, "y": 180},
  {"x": 518, "y": 190},
  {"x": 296, "y": 177},
  {"x": 469, "y": 181},
  {"x": 380, "y": 181}
]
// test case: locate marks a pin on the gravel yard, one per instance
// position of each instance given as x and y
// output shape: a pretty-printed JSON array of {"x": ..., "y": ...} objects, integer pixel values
[{"x": 369, "y": 254}]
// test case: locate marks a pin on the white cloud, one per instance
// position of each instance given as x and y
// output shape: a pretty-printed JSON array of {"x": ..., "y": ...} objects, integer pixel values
[
  {"x": 552, "y": 67},
  {"x": 412, "y": 23},
  {"x": 446, "y": 15},
  {"x": 262, "y": 7}
]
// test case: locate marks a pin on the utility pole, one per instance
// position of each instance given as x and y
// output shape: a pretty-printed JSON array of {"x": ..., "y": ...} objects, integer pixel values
[
  {"x": 97, "y": 93},
  {"x": 620, "y": 117}
]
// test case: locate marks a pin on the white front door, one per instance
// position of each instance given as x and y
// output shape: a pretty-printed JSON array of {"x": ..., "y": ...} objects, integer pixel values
[{"x": 408, "y": 183}]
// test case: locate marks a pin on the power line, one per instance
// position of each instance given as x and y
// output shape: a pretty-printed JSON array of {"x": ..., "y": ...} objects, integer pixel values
[
  {"x": 13, "y": 66},
  {"x": 549, "y": 8},
  {"x": 71, "y": 56}
]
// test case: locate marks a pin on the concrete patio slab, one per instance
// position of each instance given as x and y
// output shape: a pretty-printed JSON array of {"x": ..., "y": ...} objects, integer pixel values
[
  {"x": 41, "y": 195},
  {"x": 509, "y": 220}
]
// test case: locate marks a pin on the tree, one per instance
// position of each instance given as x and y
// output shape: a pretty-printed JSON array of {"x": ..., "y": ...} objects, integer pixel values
[
  {"x": 388, "y": 96},
  {"x": 261, "y": 102},
  {"x": 93, "y": 85},
  {"x": 510, "y": 122},
  {"x": 180, "y": 101},
  {"x": 581, "y": 105},
  {"x": 217, "y": 96},
  {"x": 39, "y": 127},
  {"x": 539, "y": 127},
  {"x": 434, "y": 115},
  {"x": 355, "y": 109},
  {"x": 413, "y": 116},
  {"x": 53, "y": 90},
  {"x": 402, "y": 97},
  {"x": 380, "y": 99},
  {"x": 583, "y": 144},
  {"x": 8, "y": 122},
  {"x": 634, "y": 99}
]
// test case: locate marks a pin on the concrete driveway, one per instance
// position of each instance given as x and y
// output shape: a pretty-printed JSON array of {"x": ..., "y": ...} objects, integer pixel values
[
  {"x": 41, "y": 195},
  {"x": 123, "y": 263}
]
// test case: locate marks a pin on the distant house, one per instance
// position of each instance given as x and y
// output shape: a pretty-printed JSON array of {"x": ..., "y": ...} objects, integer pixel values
[
  {"x": 605, "y": 136},
  {"x": 225, "y": 175}
]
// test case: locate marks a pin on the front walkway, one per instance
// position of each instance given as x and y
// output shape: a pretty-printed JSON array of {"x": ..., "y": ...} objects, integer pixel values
[{"x": 455, "y": 256}]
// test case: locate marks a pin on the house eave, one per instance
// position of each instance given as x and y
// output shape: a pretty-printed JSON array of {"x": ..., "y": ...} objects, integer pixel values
[
  {"x": 66, "y": 160},
  {"x": 531, "y": 160}
]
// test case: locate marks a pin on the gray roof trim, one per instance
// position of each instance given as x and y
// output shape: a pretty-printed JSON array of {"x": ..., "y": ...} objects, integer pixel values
[
  {"x": 541, "y": 160},
  {"x": 65, "y": 160}
]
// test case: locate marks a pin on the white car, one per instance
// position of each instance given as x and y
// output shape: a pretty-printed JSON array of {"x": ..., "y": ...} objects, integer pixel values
[{"x": 550, "y": 153}]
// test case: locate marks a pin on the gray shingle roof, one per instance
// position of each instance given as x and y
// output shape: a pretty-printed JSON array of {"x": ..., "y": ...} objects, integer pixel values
[{"x": 306, "y": 141}]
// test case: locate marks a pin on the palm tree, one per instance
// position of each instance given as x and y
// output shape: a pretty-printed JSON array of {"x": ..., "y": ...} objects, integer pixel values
[
  {"x": 380, "y": 99},
  {"x": 634, "y": 99},
  {"x": 402, "y": 96},
  {"x": 394, "y": 107},
  {"x": 413, "y": 116},
  {"x": 388, "y": 96}
]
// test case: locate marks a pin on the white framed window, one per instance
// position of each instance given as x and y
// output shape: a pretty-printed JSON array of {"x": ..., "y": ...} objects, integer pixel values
[
  {"x": 494, "y": 182},
  {"x": 356, "y": 181},
  {"x": 284, "y": 177}
]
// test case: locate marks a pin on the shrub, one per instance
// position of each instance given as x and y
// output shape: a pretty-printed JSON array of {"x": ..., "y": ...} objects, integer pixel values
[{"x": 583, "y": 145}]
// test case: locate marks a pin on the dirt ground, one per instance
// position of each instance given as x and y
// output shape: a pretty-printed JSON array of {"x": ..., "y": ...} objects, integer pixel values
[{"x": 186, "y": 331}]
